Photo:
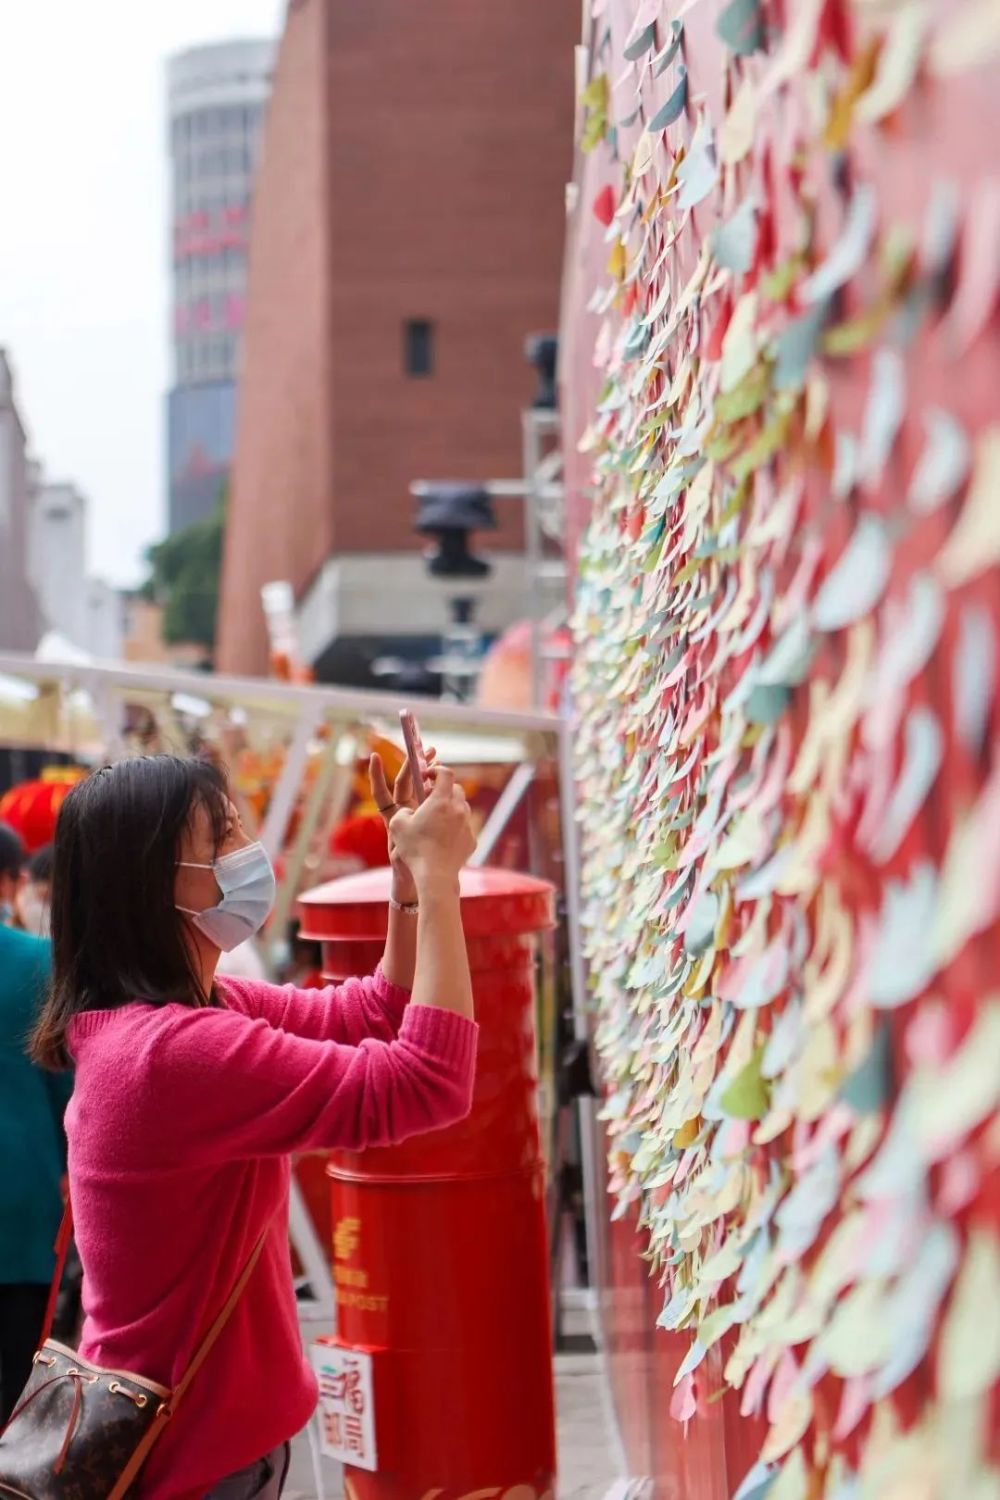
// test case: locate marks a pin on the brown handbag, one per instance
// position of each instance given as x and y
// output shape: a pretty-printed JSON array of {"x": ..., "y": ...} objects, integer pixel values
[{"x": 82, "y": 1432}]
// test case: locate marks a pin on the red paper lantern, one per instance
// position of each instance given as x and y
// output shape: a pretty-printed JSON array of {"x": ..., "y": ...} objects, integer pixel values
[
  {"x": 364, "y": 837},
  {"x": 32, "y": 807}
]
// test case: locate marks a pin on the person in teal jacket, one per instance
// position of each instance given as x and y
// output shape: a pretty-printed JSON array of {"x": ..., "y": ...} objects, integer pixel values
[{"x": 32, "y": 1144}]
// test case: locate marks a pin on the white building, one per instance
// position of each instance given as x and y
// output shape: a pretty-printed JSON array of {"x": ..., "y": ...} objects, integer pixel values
[
  {"x": 20, "y": 617},
  {"x": 82, "y": 610},
  {"x": 59, "y": 558},
  {"x": 44, "y": 586}
]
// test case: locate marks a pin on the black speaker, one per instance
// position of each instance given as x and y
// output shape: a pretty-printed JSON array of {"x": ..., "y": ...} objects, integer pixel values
[{"x": 449, "y": 512}]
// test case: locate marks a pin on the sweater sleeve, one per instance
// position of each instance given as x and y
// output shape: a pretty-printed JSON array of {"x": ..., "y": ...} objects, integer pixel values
[
  {"x": 238, "y": 1087},
  {"x": 349, "y": 1012}
]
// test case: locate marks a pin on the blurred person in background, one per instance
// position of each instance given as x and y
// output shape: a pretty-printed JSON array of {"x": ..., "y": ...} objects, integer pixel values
[
  {"x": 244, "y": 962},
  {"x": 32, "y": 1145},
  {"x": 33, "y": 906},
  {"x": 12, "y": 862}
]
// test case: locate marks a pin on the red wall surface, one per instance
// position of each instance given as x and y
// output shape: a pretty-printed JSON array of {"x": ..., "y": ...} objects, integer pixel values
[{"x": 941, "y": 130}]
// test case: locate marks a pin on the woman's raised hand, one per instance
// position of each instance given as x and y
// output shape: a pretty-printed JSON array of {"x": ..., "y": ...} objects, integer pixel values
[
  {"x": 435, "y": 840},
  {"x": 402, "y": 794}
]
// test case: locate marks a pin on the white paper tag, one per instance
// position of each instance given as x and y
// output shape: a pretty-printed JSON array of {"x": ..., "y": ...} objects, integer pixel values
[{"x": 346, "y": 1404}]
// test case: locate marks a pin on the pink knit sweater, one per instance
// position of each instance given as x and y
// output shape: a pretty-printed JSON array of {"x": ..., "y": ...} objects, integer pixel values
[{"x": 180, "y": 1130}]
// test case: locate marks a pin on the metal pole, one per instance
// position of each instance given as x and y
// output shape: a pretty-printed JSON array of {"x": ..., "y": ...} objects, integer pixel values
[
  {"x": 533, "y": 547},
  {"x": 282, "y": 803},
  {"x": 302, "y": 1233},
  {"x": 571, "y": 876},
  {"x": 333, "y": 779},
  {"x": 507, "y": 804},
  {"x": 578, "y": 981},
  {"x": 109, "y": 715},
  {"x": 507, "y": 489}
]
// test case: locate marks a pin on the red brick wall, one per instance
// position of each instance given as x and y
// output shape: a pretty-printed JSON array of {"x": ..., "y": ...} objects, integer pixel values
[
  {"x": 450, "y": 144},
  {"x": 280, "y": 519},
  {"x": 443, "y": 132}
]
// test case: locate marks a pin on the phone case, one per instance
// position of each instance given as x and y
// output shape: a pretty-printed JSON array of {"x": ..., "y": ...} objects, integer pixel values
[{"x": 414, "y": 752}]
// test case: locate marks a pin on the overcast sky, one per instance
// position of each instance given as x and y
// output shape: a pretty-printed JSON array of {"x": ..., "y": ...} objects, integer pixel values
[{"x": 83, "y": 242}]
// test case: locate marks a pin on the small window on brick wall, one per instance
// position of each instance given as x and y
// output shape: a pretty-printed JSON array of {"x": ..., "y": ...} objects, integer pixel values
[{"x": 418, "y": 347}]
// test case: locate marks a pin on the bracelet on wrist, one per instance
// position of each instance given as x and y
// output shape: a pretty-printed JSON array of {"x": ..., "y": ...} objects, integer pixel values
[{"x": 409, "y": 907}]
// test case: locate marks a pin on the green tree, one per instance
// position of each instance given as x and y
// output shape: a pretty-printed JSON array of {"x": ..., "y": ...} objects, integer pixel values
[{"x": 185, "y": 575}]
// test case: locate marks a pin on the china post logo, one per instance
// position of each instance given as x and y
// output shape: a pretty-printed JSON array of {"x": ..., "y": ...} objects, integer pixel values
[{"x": 346, "y": 1238}]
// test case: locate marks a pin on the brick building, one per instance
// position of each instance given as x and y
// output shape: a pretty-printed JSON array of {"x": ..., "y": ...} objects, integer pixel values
[{"x": 407, "y": 236}]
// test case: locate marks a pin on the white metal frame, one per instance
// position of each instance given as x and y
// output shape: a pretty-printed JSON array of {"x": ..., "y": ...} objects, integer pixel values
[
  {"x": 306, "y": 709},
  {"x": 256, "y": 693},
  {"x": 282, "y": 803},
  {"x": 592, "y": 1194},
  {"x": 539, "y": 469},
  {"x": 507, "y": 804}
]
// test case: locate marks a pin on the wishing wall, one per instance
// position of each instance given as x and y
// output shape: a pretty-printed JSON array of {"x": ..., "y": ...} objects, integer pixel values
[{"x": 781, "y": 372}]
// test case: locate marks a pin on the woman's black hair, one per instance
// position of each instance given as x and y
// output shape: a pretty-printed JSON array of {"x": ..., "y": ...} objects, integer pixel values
[{"x": 116, "y": 934}]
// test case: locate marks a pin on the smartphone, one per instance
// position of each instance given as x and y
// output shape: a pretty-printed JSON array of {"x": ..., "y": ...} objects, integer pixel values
[{"x": 414, "y": 753}]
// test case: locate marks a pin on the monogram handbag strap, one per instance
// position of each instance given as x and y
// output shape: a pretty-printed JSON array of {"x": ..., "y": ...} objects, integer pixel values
[
  {"x": 201, "y": 1353},
  {"x": 205, "y": 1346},
  {"x": 167, "y": 1408},
  {"x": 62, "y": 1249}
]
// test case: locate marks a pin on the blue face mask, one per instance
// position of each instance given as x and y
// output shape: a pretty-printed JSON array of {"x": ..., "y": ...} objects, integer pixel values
[{"x": 246, "y": 880}]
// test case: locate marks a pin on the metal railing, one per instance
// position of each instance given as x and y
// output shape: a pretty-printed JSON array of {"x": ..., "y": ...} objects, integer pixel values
[{"x": 84, "y": 709}]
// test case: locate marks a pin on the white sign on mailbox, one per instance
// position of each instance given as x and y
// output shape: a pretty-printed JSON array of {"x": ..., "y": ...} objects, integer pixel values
[{"x": 346, "y": 1404}]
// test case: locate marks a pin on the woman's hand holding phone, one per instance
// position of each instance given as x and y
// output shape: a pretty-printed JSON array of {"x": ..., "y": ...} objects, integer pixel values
[
  {"x": 402, "y": 798},
  {"x": 430, "y": 839},
  {"x": 402, "y": 795},
  {"x": 436, "y": 840}
]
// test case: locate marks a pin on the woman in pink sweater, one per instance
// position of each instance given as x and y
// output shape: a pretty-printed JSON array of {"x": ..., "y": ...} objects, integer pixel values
[{"x": 192, "y": 1092}]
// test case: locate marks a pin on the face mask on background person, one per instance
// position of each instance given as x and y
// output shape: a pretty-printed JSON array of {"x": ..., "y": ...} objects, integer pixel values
[
  {"x": 246, "y": 880},
  {"x": 33, "y": 911}
]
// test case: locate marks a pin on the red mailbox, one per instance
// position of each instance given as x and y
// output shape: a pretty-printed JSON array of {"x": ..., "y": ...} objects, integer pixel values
[{"x": 439, "y": 1245}]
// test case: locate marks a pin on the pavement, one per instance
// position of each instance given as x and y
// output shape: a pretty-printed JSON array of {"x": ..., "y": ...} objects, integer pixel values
[{"x": 587, "y": 1451}]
